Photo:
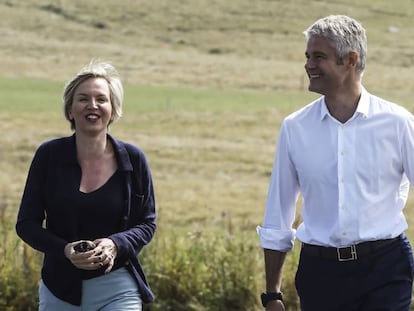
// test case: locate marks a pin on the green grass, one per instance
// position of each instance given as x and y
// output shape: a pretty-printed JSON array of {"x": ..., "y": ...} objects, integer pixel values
[
  {"x": 214, "y": 44},
  {"x": 211, "y": 153},
  {"x": 203, "y": 143},
  {"x": 30, "y": 96},
  {"x": 207, "y": 85}
]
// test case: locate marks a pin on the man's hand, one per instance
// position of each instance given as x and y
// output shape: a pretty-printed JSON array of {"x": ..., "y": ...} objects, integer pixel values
[{"x": 275, "y": 305}]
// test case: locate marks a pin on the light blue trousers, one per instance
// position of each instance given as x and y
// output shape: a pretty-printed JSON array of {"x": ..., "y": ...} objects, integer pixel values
[{"x": 115, "y": 291}]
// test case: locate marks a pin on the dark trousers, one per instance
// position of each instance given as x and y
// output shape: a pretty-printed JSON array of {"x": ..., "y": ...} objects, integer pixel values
[{"x": 380, "y": 281}]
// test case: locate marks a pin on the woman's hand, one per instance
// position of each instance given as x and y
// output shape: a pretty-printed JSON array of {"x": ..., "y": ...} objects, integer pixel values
[
  {"x": 99, "y": 253},
  {"x": 106, "y": 248},
  {"x": 84, "y": 257}
]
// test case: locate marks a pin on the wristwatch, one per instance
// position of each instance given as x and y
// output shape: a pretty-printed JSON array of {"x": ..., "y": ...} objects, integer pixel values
[{"x": 267, "y": 297}]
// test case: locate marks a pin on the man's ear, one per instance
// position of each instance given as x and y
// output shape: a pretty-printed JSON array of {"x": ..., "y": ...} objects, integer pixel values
[{"x": 353, "y": 58}]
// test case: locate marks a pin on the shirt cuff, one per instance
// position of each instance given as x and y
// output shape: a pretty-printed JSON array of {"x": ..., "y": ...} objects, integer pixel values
[{"x": 280, "y": 240}]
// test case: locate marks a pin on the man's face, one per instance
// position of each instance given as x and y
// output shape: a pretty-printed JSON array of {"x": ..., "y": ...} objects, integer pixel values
[{"x": 327, "y": 74}]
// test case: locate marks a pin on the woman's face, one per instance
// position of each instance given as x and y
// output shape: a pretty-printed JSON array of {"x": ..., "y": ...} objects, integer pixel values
[{"x": 91, "y": 107}]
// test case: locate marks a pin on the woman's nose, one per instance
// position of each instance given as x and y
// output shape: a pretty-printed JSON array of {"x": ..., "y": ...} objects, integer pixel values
[{"x": 92, "y": 104}]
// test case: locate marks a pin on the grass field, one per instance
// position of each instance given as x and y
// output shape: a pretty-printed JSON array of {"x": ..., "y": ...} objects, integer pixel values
[
  {"x": 207, "y": 85},
  {"x": 204, "y": 43},
  {"x": 210, "y": 151}
]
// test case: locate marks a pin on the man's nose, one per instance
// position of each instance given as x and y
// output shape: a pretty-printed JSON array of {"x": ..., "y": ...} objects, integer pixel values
[{"x": 309, "y": 63}]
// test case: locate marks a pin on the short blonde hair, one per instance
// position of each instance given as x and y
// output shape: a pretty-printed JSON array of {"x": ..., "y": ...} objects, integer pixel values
[{"x": 95, "y": 70}]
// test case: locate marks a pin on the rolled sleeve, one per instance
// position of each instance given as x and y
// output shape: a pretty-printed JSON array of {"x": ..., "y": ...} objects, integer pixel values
[
  {"x": 281, "y": 240},
  {"x": 277, "y": 232}
]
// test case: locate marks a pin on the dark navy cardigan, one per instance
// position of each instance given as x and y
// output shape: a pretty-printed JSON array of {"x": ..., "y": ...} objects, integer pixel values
[{"x": 54, "y": 163}]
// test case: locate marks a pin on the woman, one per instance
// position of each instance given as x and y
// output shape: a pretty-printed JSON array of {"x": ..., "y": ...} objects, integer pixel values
[{"x": 96, "y": 197}]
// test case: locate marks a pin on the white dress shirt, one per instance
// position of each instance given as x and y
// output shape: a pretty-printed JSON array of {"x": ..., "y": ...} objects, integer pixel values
[{"x": 353, "y": 177}]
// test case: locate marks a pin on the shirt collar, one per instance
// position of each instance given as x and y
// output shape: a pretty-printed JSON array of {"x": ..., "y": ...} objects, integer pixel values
[
  {"x": 363, "y": 104},
  {"x": 362, "y": 108}
]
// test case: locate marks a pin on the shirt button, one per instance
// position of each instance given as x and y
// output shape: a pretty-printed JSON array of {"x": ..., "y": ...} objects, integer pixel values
[{"x": 344, "y": 233}]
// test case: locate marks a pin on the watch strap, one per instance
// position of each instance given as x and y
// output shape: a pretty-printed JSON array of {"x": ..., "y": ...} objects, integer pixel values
[{"x": 270, "y": 296}]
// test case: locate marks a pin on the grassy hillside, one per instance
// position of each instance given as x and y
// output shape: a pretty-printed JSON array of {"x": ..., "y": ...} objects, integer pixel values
[
  {"x": 229, "y": 71},
  {"x": 242, "y": 58},
  {"x": 205, "y": 43},
  {"x": 207, "y": 84}
]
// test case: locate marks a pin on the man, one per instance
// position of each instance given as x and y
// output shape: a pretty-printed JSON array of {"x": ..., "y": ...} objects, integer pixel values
[{"x": 351, "y": 156}]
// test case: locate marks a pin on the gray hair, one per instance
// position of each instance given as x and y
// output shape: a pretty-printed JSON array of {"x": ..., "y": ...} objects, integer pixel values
[
  {"x": 96, "y": 70},
  {"x": 346, "y": 35}
]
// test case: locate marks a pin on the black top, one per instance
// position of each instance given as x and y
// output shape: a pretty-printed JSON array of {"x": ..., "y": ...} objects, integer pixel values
[
  {"x": 100, "y": 214},
  {"x": 100, "y": 211}
]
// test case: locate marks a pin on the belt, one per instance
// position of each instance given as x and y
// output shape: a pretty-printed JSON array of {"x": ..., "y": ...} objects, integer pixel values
[{"x": 352, "y": 252}]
